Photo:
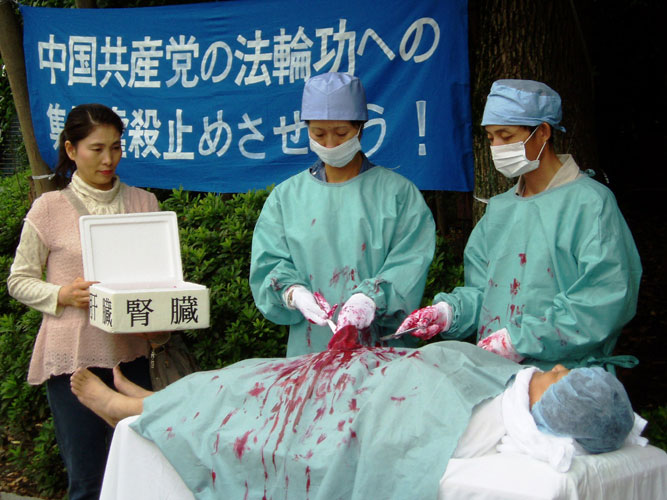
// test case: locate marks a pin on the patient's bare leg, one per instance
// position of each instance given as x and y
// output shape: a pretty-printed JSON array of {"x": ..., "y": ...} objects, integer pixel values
[
  {"x": 112, "y": 406},
  {"x": 126, "y": 386}
]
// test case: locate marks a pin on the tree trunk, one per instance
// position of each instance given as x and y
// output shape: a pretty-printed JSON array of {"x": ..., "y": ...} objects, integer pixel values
[
  {"x": 86, "y": 4},
  {"x": 11, "y": 50},
  {"x": 536, "y": 41}
]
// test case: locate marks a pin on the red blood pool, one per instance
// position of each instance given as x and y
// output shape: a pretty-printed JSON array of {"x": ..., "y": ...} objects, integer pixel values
[{"x": 345, "y": 339}]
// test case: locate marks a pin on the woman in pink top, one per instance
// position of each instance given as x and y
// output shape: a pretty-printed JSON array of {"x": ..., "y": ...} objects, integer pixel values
[{"x": 90, "y": 149}]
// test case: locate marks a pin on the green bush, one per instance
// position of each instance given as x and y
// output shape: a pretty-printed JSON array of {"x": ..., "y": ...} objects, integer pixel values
[
  {"x": 14, "y": 205},
  {"x": 656, "y": 429},
  {"x": 445, "y": 273},
  {"x": 216, "y": 238}
]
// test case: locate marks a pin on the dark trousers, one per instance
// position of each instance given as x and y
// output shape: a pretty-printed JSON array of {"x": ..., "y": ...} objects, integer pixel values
[{"x": 83, "y": 437}]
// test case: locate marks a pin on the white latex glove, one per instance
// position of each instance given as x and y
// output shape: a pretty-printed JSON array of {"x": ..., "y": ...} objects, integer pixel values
[
  {"x": 298, "y": 297},
  {"x": 430, "y": 320},
  {"x": 358, "y": 311},
  {"x": 499, "y": 342}
]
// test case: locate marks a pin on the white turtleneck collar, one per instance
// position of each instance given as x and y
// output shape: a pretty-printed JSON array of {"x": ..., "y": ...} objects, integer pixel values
[{"x": 97, "y": 201}]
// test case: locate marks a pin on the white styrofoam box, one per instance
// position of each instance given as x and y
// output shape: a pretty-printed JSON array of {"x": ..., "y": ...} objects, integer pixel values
[{"x": 137, "y": 260}]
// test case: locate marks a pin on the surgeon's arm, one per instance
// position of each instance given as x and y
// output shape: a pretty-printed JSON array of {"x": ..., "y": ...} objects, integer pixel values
[
  {"x": 398, "y": 287},
  {"x": 587, "y": 317},
  {"x": 466, "y": 301},
  {"x": 272, "y": 270}
]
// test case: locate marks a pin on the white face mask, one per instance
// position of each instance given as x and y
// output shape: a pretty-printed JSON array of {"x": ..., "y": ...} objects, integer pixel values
[
  {"x": 510, "y": 159},
  {"x": 340, "y": 155}
]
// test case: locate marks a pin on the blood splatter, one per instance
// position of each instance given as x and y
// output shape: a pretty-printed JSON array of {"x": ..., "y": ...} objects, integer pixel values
[
  {"x": 522, "y": 259},
  {"x": 343, "y": 273},
  {"x": 317, "y": 380},
  {"x": 334, "y": 278},
  {"x": 363, "y": 247},
  {"x": 229, "y": 415},
  {"x": 345, "y": 339},
  {"x": 275, "y": 284},
  {"x": 257, "y": 390},
  {"x": 240, "y": 445},
  {"x": 398, "y": 399},
  {"x": 307, "y": 479},
  {"x": 213, "y": 476},
  {"x": 313, "y": 222},
  {"x": 514, "y": 287},
  {"x": 324, "y": 305},
  {"x": 486, "y": 327},
  {"x": 216, "y": 444}
]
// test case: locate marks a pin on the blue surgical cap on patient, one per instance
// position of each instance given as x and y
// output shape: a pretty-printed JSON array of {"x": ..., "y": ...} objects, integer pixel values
[
  {"x": 589, "y": 405},
  {"x": 334, "y": 96},
  {"x": 522, "y": 102}
]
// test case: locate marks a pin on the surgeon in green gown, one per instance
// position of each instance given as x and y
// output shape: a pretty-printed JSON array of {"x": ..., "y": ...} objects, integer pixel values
[
  {"x": 551, "y": 270},
  {"x": 343, "y": 232}
]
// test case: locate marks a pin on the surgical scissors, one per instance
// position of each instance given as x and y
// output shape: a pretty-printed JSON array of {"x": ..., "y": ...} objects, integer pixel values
[{"x": 396, "y": 335}]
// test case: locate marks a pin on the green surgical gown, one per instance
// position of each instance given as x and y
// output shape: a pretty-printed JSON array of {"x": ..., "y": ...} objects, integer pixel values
[
  {"x": 559, "y": 270},
  {"x": 373, "y": 234}
]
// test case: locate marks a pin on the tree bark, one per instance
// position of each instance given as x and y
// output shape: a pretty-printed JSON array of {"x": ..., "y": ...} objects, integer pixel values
[
  {"x": 11, "y": 50},
  {"x": 86, "y": 4},
  {"x": 536, "y": 41}
]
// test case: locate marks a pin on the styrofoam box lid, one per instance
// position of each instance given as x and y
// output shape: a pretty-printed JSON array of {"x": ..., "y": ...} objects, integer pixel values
[{"x": 131, "y": 248}]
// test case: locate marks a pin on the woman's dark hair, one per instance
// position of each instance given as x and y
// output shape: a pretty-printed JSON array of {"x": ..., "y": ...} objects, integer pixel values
[{"x": 80, "y": 123}]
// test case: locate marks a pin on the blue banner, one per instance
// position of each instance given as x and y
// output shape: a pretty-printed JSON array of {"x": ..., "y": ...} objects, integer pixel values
[{"x": 211, "y": 93}]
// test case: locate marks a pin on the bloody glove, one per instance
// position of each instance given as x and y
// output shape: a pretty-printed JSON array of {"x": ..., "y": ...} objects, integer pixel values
[
  {"x": 499, "y": 342},
  {"x": 358, "y": 311},
  {"x": 315, "y": 309},
  {"x": 430, "y": 320}
]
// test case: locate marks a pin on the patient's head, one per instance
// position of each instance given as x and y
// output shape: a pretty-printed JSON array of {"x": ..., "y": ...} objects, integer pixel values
[{"x": 588, "y": 404}]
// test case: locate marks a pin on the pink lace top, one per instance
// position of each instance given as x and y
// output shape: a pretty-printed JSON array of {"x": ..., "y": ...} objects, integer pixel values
[{"x": 66, "y": 340}]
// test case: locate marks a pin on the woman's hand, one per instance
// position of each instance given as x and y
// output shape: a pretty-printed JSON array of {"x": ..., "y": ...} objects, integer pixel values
[{"x": 75, "y": 294}]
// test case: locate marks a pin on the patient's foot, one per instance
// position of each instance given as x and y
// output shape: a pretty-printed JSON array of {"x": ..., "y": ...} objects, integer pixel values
[
  {"x": 126, "y": 386},
  {"x": 101, "y": 399}
]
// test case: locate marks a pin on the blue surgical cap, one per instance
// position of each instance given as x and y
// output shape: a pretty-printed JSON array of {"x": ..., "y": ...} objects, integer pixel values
[
  {"x": 334, "y": 96},
  {"x": 589, "y": 405},
  {"x": 522, "y": 102}
]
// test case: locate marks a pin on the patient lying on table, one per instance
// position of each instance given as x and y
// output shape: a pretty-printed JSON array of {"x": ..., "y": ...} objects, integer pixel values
[{"x": 364, "y": 422}]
